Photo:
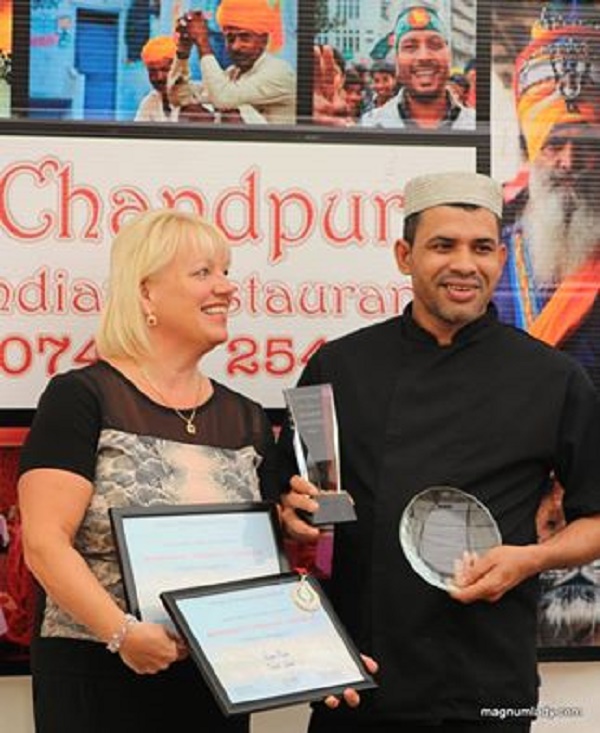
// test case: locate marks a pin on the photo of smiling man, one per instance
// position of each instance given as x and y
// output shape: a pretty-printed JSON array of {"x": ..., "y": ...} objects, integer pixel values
[{"x": 423, "y": 57}]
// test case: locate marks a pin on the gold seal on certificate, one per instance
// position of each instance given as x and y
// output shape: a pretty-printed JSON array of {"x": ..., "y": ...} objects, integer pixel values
[
  {"x": 316, "y": 446},
  {"x": 304, "y": 596}
]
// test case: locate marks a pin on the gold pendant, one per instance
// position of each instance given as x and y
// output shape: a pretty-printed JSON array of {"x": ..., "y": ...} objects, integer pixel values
[{"x": 191, "y": 428}]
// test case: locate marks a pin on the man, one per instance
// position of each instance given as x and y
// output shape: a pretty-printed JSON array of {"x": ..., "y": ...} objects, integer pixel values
[
  {"x": 423, "y": 59},
  {"x": 383, "y": 80},
  {"x": 553, "y": 220},
  {"x": 383, "y": 87},
  {"x": 353, "y": 94},
  {"x": 445, "y": 394},
  {"x": 258, "y": 84},
  {"x": 158, "y": 54},
  {"x": 552, "y": 224}
]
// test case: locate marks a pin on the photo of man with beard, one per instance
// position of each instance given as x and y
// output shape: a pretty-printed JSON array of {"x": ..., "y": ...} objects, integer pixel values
[
  {"x": 258, "y": 86},
  {"x": 551, "y": 281}
]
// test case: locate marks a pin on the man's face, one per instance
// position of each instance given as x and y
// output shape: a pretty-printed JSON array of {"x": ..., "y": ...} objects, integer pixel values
[
  {"x": 384, "y": 85},
  {"x": 353, "y": 97},
  {"x": 423, "y": 62},
  {"x": 455, "y": 263},
  {"x": 244, "y": 47},
  {"x": 158, "y": 72},
  {"x": 570, "y": 155},
  {"x": 562, "y": 220}
]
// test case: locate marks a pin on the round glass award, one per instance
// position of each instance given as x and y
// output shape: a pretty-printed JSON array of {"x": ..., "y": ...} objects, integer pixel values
[{"x": 438, "y": 526}]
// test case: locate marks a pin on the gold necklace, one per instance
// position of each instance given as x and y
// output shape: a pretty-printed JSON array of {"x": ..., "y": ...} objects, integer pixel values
[{"x": 189, "y": 419}]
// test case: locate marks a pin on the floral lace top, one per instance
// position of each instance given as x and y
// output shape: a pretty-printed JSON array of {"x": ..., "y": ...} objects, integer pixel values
[{"x": 96, "y": 423}]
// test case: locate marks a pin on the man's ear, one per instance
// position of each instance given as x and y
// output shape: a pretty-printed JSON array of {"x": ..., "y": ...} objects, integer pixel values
[
  {"x": 403, "y": 252},
  {"x": 503, "y": 253}
]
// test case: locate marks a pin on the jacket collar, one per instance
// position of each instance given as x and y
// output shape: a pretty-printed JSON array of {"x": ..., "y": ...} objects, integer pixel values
[{"x": 417, "y": 333}]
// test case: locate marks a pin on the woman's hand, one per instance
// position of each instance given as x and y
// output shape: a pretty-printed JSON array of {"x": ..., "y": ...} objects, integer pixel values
[{"x": 150, "y": 648}]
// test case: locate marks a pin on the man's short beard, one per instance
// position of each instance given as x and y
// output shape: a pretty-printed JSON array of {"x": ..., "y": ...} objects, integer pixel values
[
  {"x": 561, "y": 223},
  {"x": 431, "y": 95}
]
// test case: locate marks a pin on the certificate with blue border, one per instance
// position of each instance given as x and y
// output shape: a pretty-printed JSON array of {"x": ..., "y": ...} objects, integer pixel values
[
  {"x": 172, "y": 547},
  {"x": 259, "y": 648}
]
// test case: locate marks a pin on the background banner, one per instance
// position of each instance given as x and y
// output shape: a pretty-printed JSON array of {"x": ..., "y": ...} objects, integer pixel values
[{"x": 312, "y": 249}]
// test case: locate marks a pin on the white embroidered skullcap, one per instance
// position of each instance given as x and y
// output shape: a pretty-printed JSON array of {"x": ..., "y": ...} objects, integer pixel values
[{"x": 457, "y": 187}]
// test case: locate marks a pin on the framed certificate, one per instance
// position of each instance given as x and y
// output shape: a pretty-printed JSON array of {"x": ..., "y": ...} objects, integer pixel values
[
  {"x": 266, "y": 642},
  {"x": 171, "y": 547}
]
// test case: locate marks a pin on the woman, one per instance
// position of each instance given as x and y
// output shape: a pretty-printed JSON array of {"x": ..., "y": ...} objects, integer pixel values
[{"x": 141, "y": 426}]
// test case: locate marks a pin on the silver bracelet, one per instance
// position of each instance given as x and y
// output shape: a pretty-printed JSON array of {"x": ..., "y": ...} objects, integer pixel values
[{"x": 116, "y": 640}]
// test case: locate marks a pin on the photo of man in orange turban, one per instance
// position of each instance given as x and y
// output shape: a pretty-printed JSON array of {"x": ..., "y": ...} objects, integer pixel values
[
  {"x": 552, "y": 231},
  {"x": 158, "y": 54},
  {"x": 258, "y": 84},
  {"x": 553, "y": 272}
]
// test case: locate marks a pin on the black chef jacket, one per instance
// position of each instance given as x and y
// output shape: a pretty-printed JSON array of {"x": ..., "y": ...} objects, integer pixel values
[{"x": 493, "y": 414}]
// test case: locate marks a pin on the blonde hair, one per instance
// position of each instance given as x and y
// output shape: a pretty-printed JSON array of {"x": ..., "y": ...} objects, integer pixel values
[{"x": 142, "y": 248}]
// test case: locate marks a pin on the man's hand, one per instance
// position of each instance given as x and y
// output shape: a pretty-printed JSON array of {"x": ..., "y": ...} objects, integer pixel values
[
  {"x": 489, "y": 577},
  {"x": 329, "y": 103},
  {"x": 184, "y": 41},
  {"x": 324, "y": 72},
  {"x": 550, "y": 517},
  {"x": 192, "y": 30},
  {"x": 350, "y": 696},
  {"x": 300, "y": 496}
]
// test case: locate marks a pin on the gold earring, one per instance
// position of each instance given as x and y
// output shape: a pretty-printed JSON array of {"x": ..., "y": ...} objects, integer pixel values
[{"x": 151, "y": 320}]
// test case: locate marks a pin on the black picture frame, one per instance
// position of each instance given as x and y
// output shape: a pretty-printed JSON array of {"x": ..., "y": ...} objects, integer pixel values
[
  {"x": 206, "y": 660},
  {"x": 197, "y": 542}
]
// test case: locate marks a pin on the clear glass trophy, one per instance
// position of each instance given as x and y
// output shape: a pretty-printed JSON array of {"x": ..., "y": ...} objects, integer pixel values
[
  {"x": 312, "y": 411},
  {"x": 438, "y": 526}
]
